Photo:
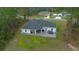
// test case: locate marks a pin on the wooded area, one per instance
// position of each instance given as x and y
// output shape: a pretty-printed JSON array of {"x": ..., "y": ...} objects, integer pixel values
[{"x": 10, "y": 21}]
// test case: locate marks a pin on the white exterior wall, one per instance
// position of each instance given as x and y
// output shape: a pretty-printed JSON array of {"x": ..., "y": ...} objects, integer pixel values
[
  {"x": 54, "y": 14},
  {"x": 54, "y": 30},
  {"x": 49, "y": 28},
  {"x": 28, "y": 31},
  {"x": 47, "y": 17},
  {"x": 22, "y": 30},
  {"x": 58, "y": 17},
  {"x": 25, "y": 31},
  {"x": 60, "y": 14}
]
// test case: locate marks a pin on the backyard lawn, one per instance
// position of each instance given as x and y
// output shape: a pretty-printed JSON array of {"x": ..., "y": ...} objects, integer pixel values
[{"x": 31, "y": 42}]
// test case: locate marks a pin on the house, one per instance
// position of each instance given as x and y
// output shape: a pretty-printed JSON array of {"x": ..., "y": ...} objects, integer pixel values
[
  {"x": 60, "y": 14},
  {"x": 45, "y": 14},
  {"x": 54, "y": 14},
  {"x": 64, "y": 14},
  {"x": 57, "y": 14},
  {"x": 39, "y": 27},
  {"x": 58, "y": 18}
]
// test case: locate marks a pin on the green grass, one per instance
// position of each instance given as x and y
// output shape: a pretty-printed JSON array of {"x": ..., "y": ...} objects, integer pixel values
[{"x": 31, "y": 41}]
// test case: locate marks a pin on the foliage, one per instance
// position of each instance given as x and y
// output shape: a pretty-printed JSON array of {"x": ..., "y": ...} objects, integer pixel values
[{"x": 8, "y": 25}]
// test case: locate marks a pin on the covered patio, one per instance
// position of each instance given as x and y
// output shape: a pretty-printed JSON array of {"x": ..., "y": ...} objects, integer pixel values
[{"x": 42, "y": 33}]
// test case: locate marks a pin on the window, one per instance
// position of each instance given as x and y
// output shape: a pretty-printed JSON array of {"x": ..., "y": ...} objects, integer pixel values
[
  {"x": 42, "y": 30},
  {"x": 25, "y": 30},
  {"x": 38, "y": 31},
  {"x": 52, "y": 29},
  {"x": 32, "y": 31}
]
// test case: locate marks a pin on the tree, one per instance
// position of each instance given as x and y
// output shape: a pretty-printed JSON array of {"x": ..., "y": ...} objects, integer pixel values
[{"x": 8, "y": 24}]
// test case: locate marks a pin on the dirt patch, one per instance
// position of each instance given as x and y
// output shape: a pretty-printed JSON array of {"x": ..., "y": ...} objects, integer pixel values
[{"x": 73, "y": 38}]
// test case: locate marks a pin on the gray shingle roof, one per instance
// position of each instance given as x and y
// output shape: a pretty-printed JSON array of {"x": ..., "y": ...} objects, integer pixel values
[
  {"x": 38, "y": 24},
  {"x": 44, "y": 13}
]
